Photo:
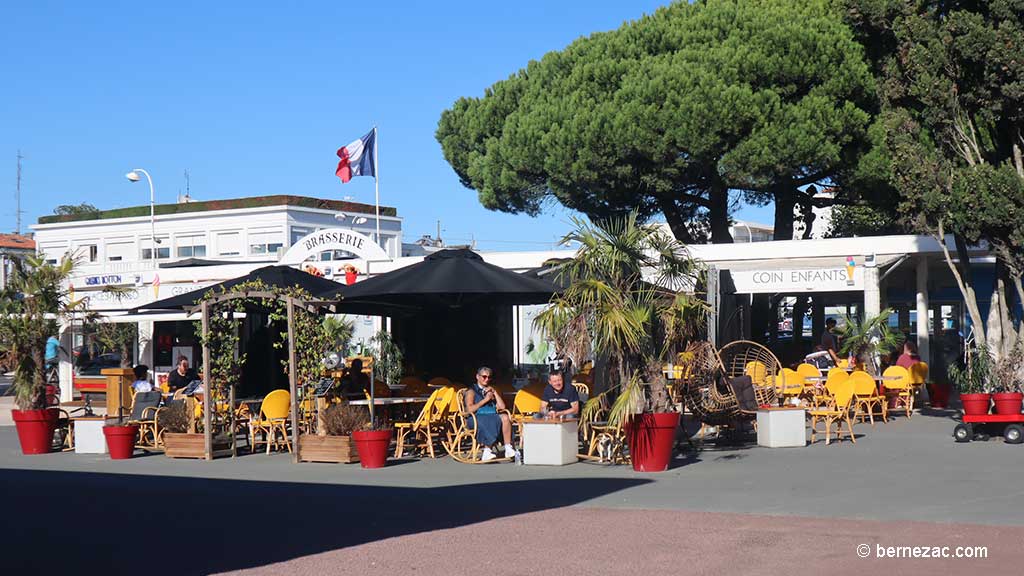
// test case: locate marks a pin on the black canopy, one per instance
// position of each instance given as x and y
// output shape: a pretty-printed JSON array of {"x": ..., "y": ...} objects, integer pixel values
[
  {"x": 450, "y": 278},
  {"x": 272, "y": 276}
]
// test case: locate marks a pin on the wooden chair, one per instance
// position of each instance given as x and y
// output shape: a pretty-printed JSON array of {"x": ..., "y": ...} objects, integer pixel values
[
  {"x": 745, "y": 358},
  {"x": 461, "y": 442},
  {"x": 806, "y": 371},
  {"x": 867, "y": 398},
  {"x": 429, "y": 426},
  {"x": 144, "y": 411},
  {"x": 791, "y": 385},
  {"x": 607, "y": 442},
  {"x": 583, "y": 391},
  {"x": 900, "y": 388},
  {"x": 836, "y": 412},
  {"x": 273, "y": 418}
]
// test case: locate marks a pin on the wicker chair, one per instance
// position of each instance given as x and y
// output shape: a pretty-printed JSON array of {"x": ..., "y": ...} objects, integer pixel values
[{"x": 745, "y": 358}]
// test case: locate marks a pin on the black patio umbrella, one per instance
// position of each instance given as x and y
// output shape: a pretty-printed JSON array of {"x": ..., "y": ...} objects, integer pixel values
[
  {"x": 447, "y": 278},
  {"x": 272, "y": 276}
]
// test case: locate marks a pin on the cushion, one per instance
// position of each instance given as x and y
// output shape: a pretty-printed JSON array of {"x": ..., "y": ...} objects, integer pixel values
[{"x": 743, "y": 388}]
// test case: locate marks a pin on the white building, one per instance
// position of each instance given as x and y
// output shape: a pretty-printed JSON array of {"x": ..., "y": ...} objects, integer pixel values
[{"x": 203, "y": 243}]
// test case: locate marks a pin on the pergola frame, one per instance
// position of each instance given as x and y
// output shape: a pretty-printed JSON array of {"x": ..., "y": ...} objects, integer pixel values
[{"x": 312, "y": 306}]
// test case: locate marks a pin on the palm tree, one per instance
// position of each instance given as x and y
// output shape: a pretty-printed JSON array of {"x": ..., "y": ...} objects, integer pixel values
[
  {"x": 628, "y": 290},
  {"x": 870, "y": 339},
  {"x": 36, "y": 292}
]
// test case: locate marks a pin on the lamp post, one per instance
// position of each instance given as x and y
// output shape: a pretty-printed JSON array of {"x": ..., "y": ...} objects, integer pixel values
[{"x": 134, "y": 177}]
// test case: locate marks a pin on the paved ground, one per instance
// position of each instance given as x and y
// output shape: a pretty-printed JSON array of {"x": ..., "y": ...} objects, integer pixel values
[{"x": 747, "y": 511}]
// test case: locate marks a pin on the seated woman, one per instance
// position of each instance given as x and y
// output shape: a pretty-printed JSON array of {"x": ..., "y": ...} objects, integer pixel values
[
  {"x": 142, "y": 383},
  {"x": 484, "y": 402}
]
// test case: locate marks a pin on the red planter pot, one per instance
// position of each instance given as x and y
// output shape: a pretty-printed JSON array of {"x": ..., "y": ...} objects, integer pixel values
[
  {"x": 1008, "y": 402},
  {"x": 651, "y": 438},
  {"x": 372, "y": 446},
  {"x": 35, "y": 429},
  {"x": 121, "y": 441},
  {"x": 938, "y": 394},
  {"x": 975, "y": 404}
]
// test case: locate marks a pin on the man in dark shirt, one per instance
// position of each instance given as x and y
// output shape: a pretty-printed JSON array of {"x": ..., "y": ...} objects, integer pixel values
[
  {"x": 559, "y": 399},
  {"x": 181, "y": 376}
]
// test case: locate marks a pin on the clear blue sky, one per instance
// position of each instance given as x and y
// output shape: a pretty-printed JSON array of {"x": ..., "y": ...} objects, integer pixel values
[{"x": 254, "y": 98}]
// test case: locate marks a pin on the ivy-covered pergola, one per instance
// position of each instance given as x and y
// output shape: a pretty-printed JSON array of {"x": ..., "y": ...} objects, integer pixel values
[{"x": 304, "y": 337}]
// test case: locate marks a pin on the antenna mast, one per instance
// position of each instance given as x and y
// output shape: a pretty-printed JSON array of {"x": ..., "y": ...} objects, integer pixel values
[{"x": 17, "y": 195}]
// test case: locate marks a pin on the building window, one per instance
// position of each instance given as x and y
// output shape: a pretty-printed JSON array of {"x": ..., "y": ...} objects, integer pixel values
[
  {"x": 90, "y": 252},
  {"x": 191, "y": 246},
  {"x": 229, "y": 244},
  {"x": 163, "y": 248},
  {"x": 298, "y": 233},
  {"x": 264, "y": 243},
  {"x": 119, "y": 251}
]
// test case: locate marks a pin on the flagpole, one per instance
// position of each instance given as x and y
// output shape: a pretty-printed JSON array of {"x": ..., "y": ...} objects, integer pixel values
[{"x": 376, "y": 183}]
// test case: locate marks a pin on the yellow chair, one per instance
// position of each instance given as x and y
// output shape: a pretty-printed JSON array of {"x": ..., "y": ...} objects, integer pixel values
[
  {"x": 823, "y": 396},
  {"x": 844, "y": 363},
  {"x": 918, "y": 377},
  {"x": 757, "y": 371},
  {"x": 273, "y": 418},
  {"x": 806, "y": 371},
  {"x": 866, "y": 396},
  {"x": 429, "y": 425},
  {"x": 789, "y": 385},
  {"x": 526, "y": 402},
  {"x": 899, "y": 387},
  {"x": 836, "y": 412}
]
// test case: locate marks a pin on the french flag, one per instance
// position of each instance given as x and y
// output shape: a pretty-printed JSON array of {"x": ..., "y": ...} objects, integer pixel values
[{"x": 357, "y": 158}]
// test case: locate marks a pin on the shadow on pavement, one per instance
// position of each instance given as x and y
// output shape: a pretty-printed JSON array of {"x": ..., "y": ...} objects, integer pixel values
[{"x": 72, "y": 522}]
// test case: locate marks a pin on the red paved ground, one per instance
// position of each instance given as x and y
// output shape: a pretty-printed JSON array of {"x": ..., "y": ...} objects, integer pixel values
[{"x": 611, "y": 542}]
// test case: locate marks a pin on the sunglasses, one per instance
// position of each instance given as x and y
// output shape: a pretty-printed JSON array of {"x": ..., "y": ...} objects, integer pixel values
[{"x": 485, "y": 376}]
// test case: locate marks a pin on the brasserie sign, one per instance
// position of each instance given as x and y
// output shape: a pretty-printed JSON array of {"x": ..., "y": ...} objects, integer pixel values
[
  {"x": 837, "y": 279},
  {"x": 350, "y": 241}
]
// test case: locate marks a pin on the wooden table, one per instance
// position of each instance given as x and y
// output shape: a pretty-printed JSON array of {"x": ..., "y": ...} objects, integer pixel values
[
  {"x": 550, "y": 442},
  {"x": 390, "y": 401}
]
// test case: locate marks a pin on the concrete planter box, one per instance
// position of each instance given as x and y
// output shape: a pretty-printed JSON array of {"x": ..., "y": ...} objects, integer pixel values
[{"x": 782, "y": 427}]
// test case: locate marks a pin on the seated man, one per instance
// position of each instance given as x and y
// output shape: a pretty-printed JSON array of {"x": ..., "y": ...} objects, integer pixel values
[
  {"x": 484, "y": 402},
  {"x": 355, "y": 381},
  {"x": 142, "y": 383},
  {"x": 181, "y": 376},
  {"x": 559, "y": 400}
]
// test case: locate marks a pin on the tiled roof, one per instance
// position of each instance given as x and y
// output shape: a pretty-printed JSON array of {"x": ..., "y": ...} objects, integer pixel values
[{"x": 17, "y": 242}]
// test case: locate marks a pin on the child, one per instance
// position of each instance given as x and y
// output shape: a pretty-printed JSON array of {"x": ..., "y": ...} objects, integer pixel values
[{"x": 142, "y": 383}]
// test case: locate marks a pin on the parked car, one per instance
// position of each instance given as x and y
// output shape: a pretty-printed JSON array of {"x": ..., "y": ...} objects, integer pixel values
[{"x": 93, "y": 368}]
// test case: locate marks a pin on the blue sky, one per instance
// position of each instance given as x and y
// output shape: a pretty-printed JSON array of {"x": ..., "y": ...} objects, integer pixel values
[{"x": 254, "y": 98}]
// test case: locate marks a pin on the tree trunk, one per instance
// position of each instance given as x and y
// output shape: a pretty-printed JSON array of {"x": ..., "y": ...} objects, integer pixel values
[
  {"x": 718, "y": 209},
  {"x": 675, "y": 220},
  {"x": 39, "y": 374},
  {"x": 784, "y": 204},
  {"x": 963, "y": 272}
]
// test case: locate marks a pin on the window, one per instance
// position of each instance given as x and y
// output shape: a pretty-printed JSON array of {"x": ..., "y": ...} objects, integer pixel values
[
  {"x": 191, "y": 246},
  {"x": 163, "y": 248},
  {"x": 264, "y": 243},
  {"x": 297, "y": 233},
  {"x": 229, "y": 244},
  {"x": 89, "y": 252},
  {"x": 119, "y": 251}
]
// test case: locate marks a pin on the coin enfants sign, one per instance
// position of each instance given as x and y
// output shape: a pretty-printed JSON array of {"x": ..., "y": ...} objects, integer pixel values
[{"x": 837, "y": 279}]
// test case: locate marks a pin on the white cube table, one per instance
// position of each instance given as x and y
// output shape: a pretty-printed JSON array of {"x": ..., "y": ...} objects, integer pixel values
[
  {"x": 89, "y": 437},
  {"x": 550, "y": 442},
  {"x": 781, "y": 427}
]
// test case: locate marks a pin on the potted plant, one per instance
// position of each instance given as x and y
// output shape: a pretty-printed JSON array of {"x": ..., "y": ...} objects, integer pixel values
[
  {"x": 973, "y": 380},
  {"x": 372, "y": 444},
  {"x": 333, "y": 440},
  {"x": 36, "y": 290},
  {"x": 869, "y": 340},
  {"x": 626, "y": 300},
  {"x": 1007, "y": 377},
  {"x": 121, "y": 438}
]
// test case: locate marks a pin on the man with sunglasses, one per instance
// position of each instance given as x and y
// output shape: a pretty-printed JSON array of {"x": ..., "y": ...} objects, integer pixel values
[{"x": 485, "y": 401}]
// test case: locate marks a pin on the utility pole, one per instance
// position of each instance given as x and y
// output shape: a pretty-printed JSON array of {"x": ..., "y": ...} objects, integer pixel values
[
  {"x": 17, "y": 195},
  {"x": 439, "y": 243}
]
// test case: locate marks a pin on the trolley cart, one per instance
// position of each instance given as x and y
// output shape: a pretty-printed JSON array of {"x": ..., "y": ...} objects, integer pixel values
[{"x": 1009, "y": 426}]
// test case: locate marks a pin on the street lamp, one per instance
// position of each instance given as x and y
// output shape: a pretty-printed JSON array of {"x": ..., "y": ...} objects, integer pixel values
[{"x": 134, "y": 177}]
